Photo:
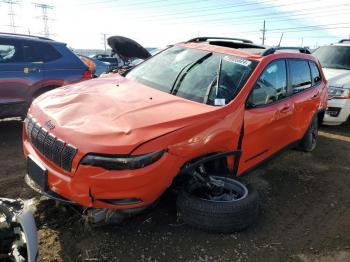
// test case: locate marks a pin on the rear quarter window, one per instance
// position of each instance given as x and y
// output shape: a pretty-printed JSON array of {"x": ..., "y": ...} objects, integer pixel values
[
  {"x": 315, "y": 73},
  {"x": 47, "y": 53}
]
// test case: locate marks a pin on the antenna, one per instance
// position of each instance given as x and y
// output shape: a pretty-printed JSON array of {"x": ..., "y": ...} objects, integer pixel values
[
  {"x": 264, "y": 33},
  {"x": 279, "y": 43},
  {"x": 45, "y": 17},
  {"x": 11, "y": 13}
]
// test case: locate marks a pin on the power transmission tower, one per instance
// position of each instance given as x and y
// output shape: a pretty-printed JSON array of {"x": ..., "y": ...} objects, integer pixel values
[
  {"x": 12, "y": 14},
  {"x": 263, "y": 33},
  {"x": 45, "y": 17},
  {"x": 104, "y": 41}
]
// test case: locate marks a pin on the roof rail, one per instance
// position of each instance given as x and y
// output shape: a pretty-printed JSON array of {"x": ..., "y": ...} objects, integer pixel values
[
  {"x": 32, "y": 36},
  {"x": 206, "y": 38},
  {"x": 344, "y": 40},
  {"x": 272, "y": 50}
]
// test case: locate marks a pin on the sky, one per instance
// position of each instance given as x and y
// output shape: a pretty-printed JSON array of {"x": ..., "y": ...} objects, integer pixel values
[{"x": 156, "y": 23}]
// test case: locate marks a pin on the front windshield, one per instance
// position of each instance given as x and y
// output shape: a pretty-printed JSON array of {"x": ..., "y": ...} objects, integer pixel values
[
  {"x": 334, "y": 56},
  {"x": 197, "y": 75}
]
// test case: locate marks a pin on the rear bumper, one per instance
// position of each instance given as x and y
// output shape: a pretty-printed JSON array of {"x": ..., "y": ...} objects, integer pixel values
[
  {"x": 338, "y": 112},
  {"x": 96, "y": 187}
]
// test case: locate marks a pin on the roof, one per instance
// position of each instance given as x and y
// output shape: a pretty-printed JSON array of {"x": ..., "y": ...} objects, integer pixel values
[
  {"x": 221, "y": 49},
  {"x": 252, "y": 53},
  {"x": 27, "y": 37}
]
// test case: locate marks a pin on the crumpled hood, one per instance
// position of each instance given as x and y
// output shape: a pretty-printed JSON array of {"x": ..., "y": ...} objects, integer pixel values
[
  {"x": 113, "y": 114},
  {"x": 337, "y": 77}
]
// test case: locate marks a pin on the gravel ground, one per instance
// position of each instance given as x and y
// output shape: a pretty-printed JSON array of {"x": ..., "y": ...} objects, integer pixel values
[{"x": 305, "y": 200}]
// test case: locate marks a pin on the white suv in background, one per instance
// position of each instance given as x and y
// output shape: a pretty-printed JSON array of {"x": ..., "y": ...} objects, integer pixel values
[{"x": 335, "y": 61}]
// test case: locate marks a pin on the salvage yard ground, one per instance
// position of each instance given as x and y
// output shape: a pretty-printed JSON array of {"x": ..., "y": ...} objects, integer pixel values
[{"x": 305, "y": 216}]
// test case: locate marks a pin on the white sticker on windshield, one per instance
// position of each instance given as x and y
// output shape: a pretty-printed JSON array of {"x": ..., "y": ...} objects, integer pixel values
[
  {"x": 219, "y": 102},
  {"x": 238, "y": 60}
]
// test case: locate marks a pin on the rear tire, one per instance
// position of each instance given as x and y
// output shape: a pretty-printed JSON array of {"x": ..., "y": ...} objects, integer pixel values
[
  {"x": 309, "y": 141},
  {"x": 219, "y": 216}
]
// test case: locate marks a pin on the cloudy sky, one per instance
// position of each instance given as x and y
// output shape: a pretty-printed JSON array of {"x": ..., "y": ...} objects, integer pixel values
[{"x": 158, "y": 22}]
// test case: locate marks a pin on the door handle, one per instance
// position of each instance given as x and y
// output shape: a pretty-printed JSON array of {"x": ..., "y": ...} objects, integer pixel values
[
  {"x": 315, "y": 96},
  {"x": 27, "y": 70},
  {"x": 285, "y": 109}
]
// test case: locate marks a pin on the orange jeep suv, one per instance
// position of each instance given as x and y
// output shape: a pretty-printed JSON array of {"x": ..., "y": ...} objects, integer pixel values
[{"x": 199, "y": 113}]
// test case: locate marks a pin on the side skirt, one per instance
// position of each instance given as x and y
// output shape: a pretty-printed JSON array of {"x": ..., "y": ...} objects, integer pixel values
[{"x": 273, "y": 156}]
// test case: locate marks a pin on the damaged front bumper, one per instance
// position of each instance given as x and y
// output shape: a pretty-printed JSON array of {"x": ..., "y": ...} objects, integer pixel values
[
  {"x": 95, "y": 187},
  {"x": 18, "y": 232}
]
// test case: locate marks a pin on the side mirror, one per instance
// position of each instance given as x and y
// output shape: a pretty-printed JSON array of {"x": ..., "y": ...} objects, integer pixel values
[{"x": 250, "y": 105}]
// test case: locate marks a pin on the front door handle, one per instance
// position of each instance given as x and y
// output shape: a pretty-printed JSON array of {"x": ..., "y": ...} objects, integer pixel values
[
  {"x": 315, "y": 96},
  {"x": 285, "y": 109}
]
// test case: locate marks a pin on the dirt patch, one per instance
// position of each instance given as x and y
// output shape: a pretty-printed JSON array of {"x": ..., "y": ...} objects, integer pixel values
[{"x": 305, "y": 203}]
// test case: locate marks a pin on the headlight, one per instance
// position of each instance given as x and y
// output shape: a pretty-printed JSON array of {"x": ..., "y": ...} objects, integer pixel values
[
  {"x": 338, "y": 92},
  {"x": 115, "y": 162}
]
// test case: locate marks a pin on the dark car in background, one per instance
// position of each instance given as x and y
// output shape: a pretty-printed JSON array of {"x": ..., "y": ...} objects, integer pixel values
[
  {"x": 30, "y": 66},
  {"x": 111, "y": 59},
  {"x": 96, "y": 66}
]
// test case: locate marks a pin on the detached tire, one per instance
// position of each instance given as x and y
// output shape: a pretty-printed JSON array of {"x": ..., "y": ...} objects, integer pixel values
[
  {"x": 219, "y": 216},
  {"x": 309, "y": 141}
]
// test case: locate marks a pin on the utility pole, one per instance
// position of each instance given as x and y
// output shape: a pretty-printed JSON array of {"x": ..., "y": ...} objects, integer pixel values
[
  {"x": 45, "y": 17},
  {"x": 263, "y": 33},
  {"x": 302, "y": 41},
  {"x": 105, "y": 41},
  {"x": 12, "y": 14}
]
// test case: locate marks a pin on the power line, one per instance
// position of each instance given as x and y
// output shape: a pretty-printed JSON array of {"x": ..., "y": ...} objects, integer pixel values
[
  {"x": 299, "y": 29},
  {"x": 233, "y": 11},
  {"x": 11, "y": 13},
  {"x": 191, "y": 10},
  {"x": 45, "y": 17},
  {"x": 263, "y": 16}
]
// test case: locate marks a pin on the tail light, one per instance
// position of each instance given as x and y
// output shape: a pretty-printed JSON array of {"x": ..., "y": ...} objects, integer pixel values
[{"x": 87, "y": 75}]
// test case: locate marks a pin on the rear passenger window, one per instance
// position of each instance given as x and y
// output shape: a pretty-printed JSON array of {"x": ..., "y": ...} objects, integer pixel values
[
  {"x": 315, "y": 73},
  {"x": 271, "y": 86},
  {"x": 300, "y": 75},
  {"x": 30, "y": 52}
]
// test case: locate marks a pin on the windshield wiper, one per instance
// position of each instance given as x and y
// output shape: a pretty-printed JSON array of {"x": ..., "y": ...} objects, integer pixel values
[
  {"x": 183, "y": 74},
  {"x": 210, "y": 86}
]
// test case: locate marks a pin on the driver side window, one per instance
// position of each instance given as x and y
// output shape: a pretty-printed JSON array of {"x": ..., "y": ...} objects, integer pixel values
[{"x": 271, "y": 85}]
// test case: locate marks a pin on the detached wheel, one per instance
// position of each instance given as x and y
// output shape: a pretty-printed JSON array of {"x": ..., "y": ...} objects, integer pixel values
[
  {"x": 233, "y": 208},
  {"x": 309, "y": 141}
]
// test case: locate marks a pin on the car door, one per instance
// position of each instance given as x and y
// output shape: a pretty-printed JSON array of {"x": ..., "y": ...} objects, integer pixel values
[
  {"x": 306, "y": 87},
  {"x": 19, "y": 72},
  {"x": 268, "y": 116}
]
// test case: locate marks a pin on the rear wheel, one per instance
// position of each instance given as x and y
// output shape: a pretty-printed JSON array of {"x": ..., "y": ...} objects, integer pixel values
[
  {"x": 230, "y": 206},
  {"x": 309, "y": 141}
]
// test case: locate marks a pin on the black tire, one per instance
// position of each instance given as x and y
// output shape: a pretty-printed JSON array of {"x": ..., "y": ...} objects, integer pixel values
[
  {"x": 309, "y": 141},
  {"x": 219, "y": 216}
]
